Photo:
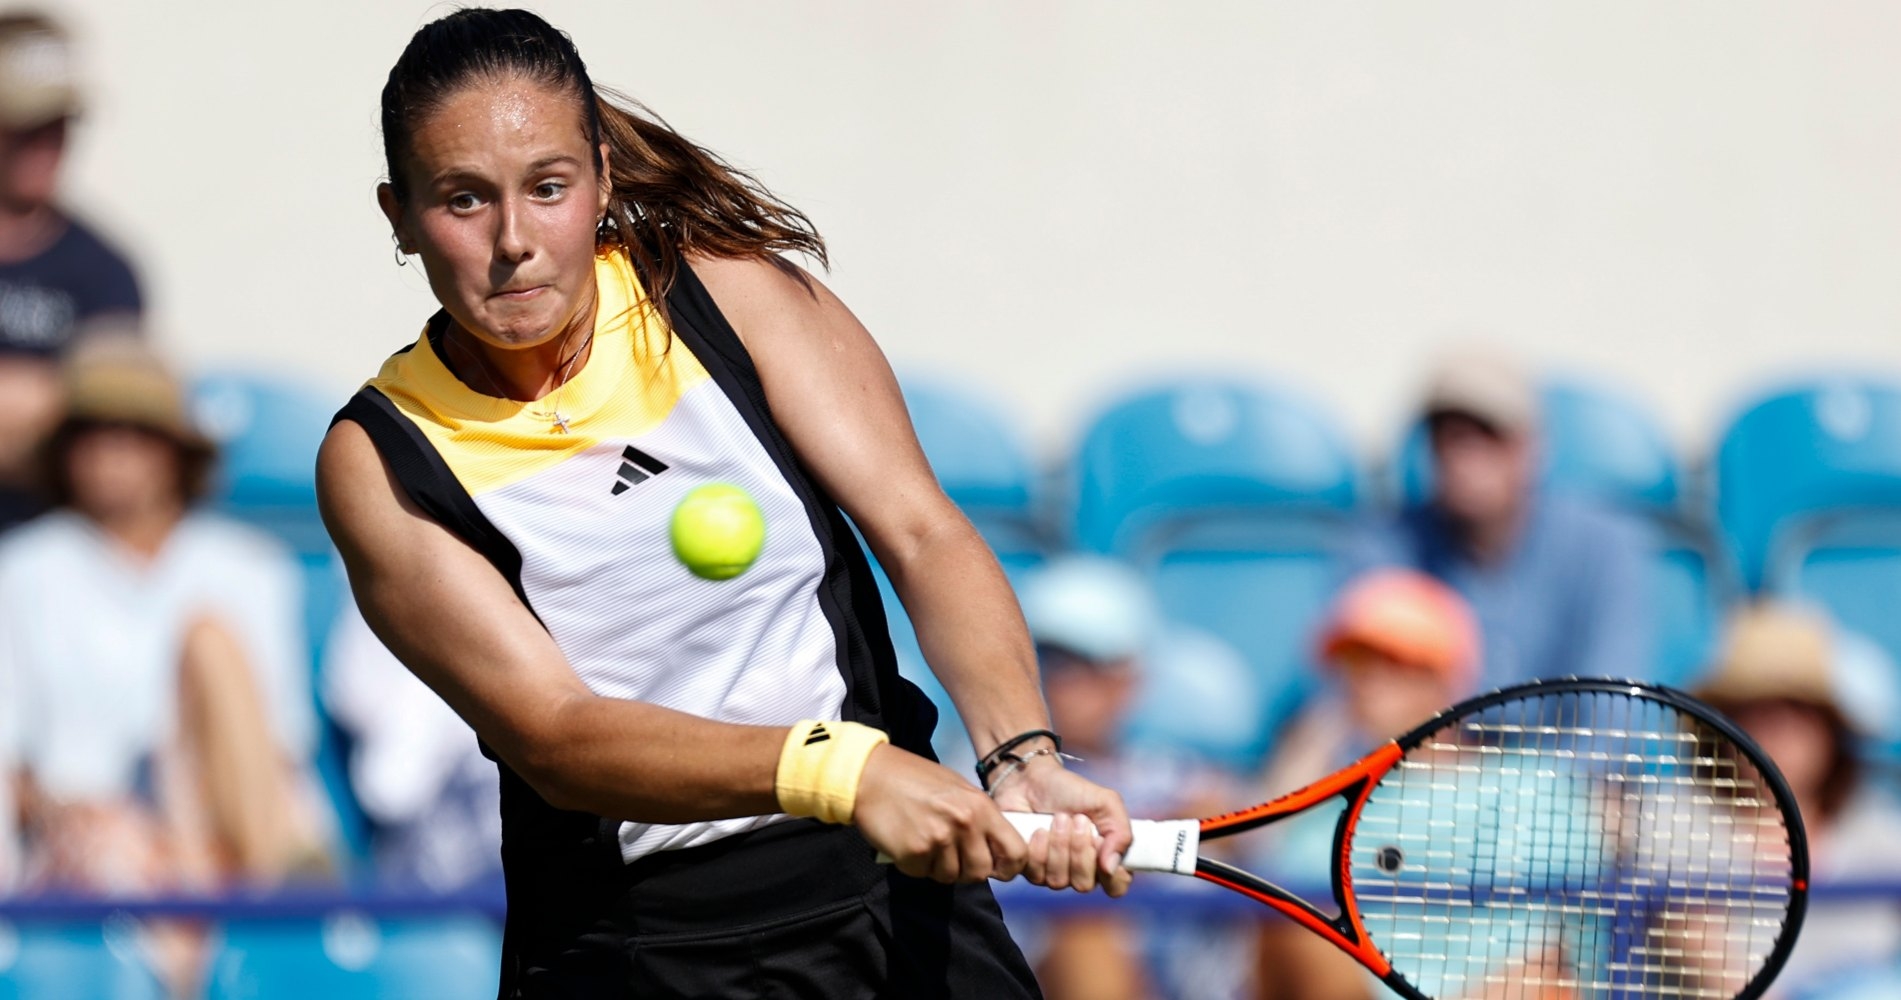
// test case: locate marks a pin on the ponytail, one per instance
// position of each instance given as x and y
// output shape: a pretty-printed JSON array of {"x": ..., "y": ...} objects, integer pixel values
[{"x": 672, "y": 197}]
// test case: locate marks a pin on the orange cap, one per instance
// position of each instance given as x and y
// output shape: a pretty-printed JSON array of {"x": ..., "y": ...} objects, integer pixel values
[{"x": 1408, "y": 616}]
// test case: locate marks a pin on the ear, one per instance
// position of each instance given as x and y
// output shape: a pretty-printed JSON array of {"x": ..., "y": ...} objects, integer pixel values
[
  {"x": 606, "y": 181},
  {"x": 393, "y": 211}
]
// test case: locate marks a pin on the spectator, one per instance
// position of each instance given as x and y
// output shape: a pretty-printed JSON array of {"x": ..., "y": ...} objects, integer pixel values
[
  {"x": 163, "y": 703},
  {"x": 1093, "y": 621},
  {"x": 1397, "y": 648},
  {"x": 56, "y": 275},
  {"x": 1781, "y": 675},
  {"x": 1557, "y": 583},
  {"x": 417, "y": 770}
]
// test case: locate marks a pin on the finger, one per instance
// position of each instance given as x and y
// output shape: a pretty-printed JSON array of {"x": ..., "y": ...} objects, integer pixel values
[
  {"x": 945, "y": 862},
  {"x": 1056, "y": 870},
  {"x": 1112, "y": 821},
  {"x": 1082, "y": 855},
  {"x": 1118, "y": 882},
  {"x": 1035, "y": 858},
  {"x": 973, "y": 847},
  {"x": 1008, "y": 852}
]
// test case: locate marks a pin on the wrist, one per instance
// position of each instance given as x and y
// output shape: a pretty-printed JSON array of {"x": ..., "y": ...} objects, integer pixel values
[{"x": 1012, "y": 752}]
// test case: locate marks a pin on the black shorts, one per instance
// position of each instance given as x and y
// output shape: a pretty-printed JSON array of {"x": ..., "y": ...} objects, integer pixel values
[{"x": 797, "y": 909}]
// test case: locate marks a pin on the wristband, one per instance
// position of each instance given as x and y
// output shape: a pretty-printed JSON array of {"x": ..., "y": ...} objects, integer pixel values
[{"x": 820, "y": 765}]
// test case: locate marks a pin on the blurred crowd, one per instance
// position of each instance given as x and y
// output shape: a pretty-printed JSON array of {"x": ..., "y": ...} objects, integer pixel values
[{"x": 160, "y": 721}]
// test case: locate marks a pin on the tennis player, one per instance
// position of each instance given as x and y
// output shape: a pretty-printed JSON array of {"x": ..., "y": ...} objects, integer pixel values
[{"x": 696, "y": 775}]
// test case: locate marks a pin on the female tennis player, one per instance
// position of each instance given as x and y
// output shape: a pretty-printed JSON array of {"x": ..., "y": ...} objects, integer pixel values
[{"x": 697, "y": 775}]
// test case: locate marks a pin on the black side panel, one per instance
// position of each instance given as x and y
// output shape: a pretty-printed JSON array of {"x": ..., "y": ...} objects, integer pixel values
[
  {"x": 427, "y": 479},
  {"x": 876, "y": 694}
]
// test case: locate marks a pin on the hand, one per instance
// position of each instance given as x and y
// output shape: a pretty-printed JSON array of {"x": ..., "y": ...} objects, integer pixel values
[
  {"x": 933, "y": 823},
  {"x": 1070, "y": 855}
]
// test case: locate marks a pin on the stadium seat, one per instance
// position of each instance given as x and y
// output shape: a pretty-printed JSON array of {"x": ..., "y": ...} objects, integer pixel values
[
  {"x": 1805, "y": 464},
  {"x": 982, "y": 466},
  {"x": 268, "y": 431},
  {"x": 1236, "y": 500},
  {"x": 74, "y": 960},
  {"x": 349, "y": 955},
  {"x": 1601, "y": 443}
]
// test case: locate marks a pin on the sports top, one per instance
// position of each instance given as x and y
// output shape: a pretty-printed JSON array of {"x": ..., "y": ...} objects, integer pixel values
[{"x": 578, "y": 521}]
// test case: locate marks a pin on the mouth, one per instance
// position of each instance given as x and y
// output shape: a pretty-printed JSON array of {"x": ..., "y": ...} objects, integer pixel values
[{"x": 519, "y": 294}]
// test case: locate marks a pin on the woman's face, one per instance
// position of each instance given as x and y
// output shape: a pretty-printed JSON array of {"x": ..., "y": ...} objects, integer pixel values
[
  {"x": 1799, "y": 738},
  {"x": 1386, "y": 697},
  {"x": 115, "y": 471},
  {"x": 503, "y": 204}
]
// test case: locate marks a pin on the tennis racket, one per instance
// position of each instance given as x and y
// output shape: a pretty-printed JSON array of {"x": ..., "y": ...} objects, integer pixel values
[{"x": 1561, "y": 839}]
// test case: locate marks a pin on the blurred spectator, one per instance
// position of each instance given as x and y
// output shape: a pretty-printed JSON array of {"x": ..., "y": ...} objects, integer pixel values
[
  {"x": 1782, "y": 675},
  {"x": 415, "y": 766},
  {"x": 1557, "y": 583},
  {"x": 163, "y": 703},
  {"x": 1398, "y": 648},
  {"x": 56, "y": 275},
  {"x": 1093, "y": 619}
]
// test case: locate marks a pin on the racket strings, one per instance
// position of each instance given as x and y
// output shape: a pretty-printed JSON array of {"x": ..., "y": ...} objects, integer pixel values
[{"x": 1596, "y": 844}]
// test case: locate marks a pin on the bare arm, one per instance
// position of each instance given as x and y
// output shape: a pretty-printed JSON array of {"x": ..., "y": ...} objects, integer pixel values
[
  {"x": 448, "y": 614},
  {"x": 834, "y": 396}
]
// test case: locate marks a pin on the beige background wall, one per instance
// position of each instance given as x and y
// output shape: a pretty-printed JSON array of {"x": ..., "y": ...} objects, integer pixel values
[{"x": 1053, "y": 198}]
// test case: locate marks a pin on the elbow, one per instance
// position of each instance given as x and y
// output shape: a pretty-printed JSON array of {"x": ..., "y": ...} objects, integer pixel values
[{"x": 547, "y": 763}]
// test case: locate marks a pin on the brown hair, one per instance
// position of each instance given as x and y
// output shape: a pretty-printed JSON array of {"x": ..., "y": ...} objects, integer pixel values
[{"x": 669, "y": 197}]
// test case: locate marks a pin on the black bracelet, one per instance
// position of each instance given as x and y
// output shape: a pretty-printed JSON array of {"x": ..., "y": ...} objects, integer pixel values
[{"x": 1004, "y": 753}]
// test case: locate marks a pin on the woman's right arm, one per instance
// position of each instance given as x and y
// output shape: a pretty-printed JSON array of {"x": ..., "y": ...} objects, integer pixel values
[{"x": 452, "y": 618}]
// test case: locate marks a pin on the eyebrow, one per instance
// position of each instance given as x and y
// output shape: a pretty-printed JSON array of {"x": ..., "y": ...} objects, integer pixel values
[{"x": 456, "y": 173}]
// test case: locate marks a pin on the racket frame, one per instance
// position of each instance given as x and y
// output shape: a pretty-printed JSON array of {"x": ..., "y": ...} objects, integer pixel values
[{"x": 1356, "y": 783}]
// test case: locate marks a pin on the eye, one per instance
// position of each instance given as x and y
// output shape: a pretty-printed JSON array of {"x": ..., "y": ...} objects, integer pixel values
[
  {"x": 464, "y": 202},
  {"x": 550, "y": 190}
]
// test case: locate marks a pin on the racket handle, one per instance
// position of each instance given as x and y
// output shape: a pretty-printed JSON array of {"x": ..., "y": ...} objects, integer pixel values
[{"x": 1159, "y": 845}]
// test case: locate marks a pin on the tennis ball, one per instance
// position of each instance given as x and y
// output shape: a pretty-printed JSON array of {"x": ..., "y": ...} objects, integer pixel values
[{"x": 718, "y": 531}]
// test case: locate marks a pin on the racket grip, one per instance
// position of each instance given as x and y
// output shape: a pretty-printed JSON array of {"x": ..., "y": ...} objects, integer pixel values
[{"x": 1158, "y": 845}]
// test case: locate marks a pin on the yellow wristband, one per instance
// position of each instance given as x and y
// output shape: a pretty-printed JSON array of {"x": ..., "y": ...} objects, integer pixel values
[{"x": 820, "y": 765}]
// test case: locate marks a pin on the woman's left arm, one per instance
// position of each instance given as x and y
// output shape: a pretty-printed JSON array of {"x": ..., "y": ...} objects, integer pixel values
[{"x": 833, "y": 395}]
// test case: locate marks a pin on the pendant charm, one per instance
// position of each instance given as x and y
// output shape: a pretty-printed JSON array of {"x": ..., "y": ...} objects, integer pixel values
[{"x": 560, "y": 421}]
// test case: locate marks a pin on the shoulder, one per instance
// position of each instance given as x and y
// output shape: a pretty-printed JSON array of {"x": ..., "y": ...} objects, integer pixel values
[
  {"x": 1593, "y": 524},
  {"x": 757, "y": 294},
  {"x": 81, "y": 245},
  {"x": 57, "y": 537}
]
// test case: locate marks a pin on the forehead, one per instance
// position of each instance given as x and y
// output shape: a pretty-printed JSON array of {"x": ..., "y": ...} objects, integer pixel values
[{"x": 493, "y": 123}]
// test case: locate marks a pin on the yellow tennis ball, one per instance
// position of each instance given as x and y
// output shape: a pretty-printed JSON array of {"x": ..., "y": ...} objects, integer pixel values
[{"x": 718, "y": 531}]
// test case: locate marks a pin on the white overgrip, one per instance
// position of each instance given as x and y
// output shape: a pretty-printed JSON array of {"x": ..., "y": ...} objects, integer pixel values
[{"x": 1158, "y": 845}]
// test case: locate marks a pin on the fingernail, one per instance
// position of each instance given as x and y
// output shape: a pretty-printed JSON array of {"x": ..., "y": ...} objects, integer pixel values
[{"x": 1115, "y": 861}]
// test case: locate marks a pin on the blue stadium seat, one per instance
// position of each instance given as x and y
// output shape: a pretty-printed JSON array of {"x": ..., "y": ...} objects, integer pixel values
[
  {"x": 349, "y": 955},
  {"x": 268, "y": 431},
  {"x": 1807, "y": 461},
  {"x": 1848, "y": 561},
  {"x": 982, "y": 466},
  {"x": 74, "y": 960},
  {"x": 1601, "y": 443},
  {"x": 1236, "y": 500}
]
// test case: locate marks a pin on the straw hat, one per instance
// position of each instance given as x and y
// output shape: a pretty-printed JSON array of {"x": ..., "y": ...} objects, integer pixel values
[
  {"x": 119, "y": 379},
  {"x": 1775, "y": 652},
  {"x": 37, "y": 80},
  {"x": 1409, "y": 617}
]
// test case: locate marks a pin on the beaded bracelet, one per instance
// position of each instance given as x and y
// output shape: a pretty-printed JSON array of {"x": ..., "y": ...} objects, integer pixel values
[
  {"x": 1005, "y": 753},
  {"x": 1018, "y": 761}
]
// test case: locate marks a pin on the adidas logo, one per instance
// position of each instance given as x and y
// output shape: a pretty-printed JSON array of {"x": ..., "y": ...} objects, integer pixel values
[
  {"x": 636, "y": 467},
  {"x": 817, "y": 735}
]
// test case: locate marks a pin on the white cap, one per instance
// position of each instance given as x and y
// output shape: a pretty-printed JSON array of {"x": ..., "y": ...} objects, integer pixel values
[{"x": 1097, "y": 608}]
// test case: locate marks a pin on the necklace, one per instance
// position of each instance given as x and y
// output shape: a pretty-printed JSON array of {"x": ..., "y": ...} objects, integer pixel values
[{"x": 553, "y": 412}]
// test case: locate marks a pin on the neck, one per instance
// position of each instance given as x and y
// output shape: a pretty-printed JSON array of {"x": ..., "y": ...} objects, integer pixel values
[
  {"x": 142, "y": 531},
  {"x": 1491, "y": 542},
  {"x": 524, "y": 374},
  {"x": 26, "y": 230}
]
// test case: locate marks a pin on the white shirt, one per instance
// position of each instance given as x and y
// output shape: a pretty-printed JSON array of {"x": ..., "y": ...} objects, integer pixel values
[{"x": 90, "y": 637}]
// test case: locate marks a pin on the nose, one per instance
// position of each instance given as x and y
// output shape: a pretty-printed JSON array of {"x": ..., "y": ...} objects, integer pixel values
[{"x": 513, "y": 244}]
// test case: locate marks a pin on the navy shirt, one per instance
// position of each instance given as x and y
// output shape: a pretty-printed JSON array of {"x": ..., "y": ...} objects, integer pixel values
[
  {"x": 46, "y": 298},
  {"x": 1570, "y": 599}
]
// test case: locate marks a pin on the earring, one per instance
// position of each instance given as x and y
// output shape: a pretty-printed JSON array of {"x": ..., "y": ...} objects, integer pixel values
[{"x": 402, "y": 259}]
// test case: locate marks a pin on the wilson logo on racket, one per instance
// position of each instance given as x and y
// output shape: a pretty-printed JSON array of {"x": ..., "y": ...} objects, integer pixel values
[
  {"x": 1570, "y": 838},
  {"x": 636, "y": 467}
]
